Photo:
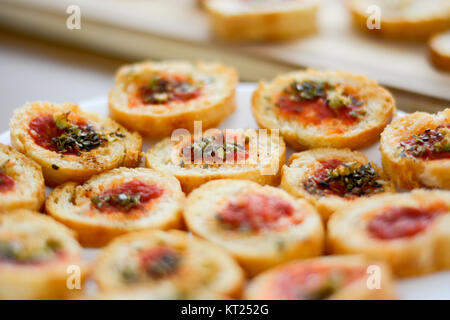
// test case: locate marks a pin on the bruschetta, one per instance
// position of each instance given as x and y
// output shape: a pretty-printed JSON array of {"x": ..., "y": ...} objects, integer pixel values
[
  {"x": 155, "y": 98},
  {"x": 332, "y": 278},
  {"x": 35, "y": 255},
  {"x": 439, "y": 50},
  {"x": 153, "y": 260},
  {"x": 262, "y": 20},
  {"x": 70, "y": 144},
  {"x": 415, "y": 150},
  {"x": 261, "y": 226},
  {"x": 21, "y": 181},
  {"x": 322, "y": 109},
  {"x": 401, "y": 19},
  {"x": 218, "y": 154},
  {"x": 332, "y": 178},
  {"x": 410, "y": 231},
  {"x": 117, "y": 202}
]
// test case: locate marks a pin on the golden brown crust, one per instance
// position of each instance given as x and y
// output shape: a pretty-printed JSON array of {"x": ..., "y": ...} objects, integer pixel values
[
  {"x": 264, "y": 285},
  {"x": 217, "y": 84},
  {"x": 407, "y": 171},
  {"x": 240, "y": 21},
  {"x": 439, "y": 50},
  {"x": 120, "y": 150},
  {"x": 44, "y": 280},
  {"x": 255, "y": 251},
  {"x": 379, "y": 107},
  {"x": 303, "y": 165},
  {"x": 426, "y": 251},
  {"x": 202, "y": 266},
  {"x": 410, "y": 20},
  {"x": 265, "y": 169},
  {"x": 71, "y": 204},
  {"x": 29, "y": 189}
]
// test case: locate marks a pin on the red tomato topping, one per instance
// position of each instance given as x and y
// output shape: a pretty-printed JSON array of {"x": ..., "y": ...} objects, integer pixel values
[
  {"x": 159, "y": 262},
  {"x": 43, "y": 130},
  {"x": 401, "y": 222},
  {"x": 255, "y": 212},
  {"x": 429, "y": 145},
  {"x": 312, "y": 282},
  {"x": 6, "y": 182},
  {"x": 130, "y": 195},
  {"x": 162, "y": 90}
]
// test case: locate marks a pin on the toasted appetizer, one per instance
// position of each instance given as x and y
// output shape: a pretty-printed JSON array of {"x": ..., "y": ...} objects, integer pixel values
[
  {"x": 155, "y": 98},
  {"x": 415, "y": 150},
  {"x": 70, "y": 144},
  {"x": 153, "y": 260},
  {"x": 332, "y": 178},
  {"x": 334, "y": 278},
  {"x": 316, "y": 109},
  {"x": 21, "y": 181},
  {"x": 401, "y": 19},
  {"x": 411, "y": 231},
  {"x": 439, "y": 48},
  {"x": 261, "y": 226},
  {"x": 35, "y": 253},
  {"x": 116, "y": 202},
  {"x": 234, "y": 154},
  {"x": 262, "y": 20}
]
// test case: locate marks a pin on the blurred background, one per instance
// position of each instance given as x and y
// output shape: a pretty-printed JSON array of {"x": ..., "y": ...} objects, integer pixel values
[{"x": 41, "y": 58}]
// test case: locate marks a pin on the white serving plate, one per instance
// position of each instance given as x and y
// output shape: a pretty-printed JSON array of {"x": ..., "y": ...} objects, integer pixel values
[{"x": 434, "y": 286}]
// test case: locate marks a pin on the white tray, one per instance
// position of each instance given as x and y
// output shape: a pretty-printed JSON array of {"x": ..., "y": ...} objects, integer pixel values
[{"x": 435, "y": 286}]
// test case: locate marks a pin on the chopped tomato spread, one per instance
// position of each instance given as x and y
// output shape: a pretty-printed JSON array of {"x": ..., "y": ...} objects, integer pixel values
[
  {"x": 401, "y": 222},
  {"x": 313, "y": 102},
  {"x": 165, "y": 89},
  {"x": 159, "y": 262},
  {"x": 256, "y": 212},
  {"x": 430, "y": 145},
  {"x": 130, "y": 195}
]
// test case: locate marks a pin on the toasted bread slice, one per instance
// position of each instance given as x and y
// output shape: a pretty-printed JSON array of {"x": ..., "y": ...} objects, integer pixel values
[
  {"x": 117, "y": 202},
  {"x": 439, "y": 48},
  {"x": 229, "y": 154},
  {"x": 402, "y": 19},
  {"x": 415, "y": 150},
  {"x": 261, "y": 226},
  {"x": 319, "y": 109},
  {"x": 155, "y": 98},
  {"x": 333, "y": 278},
  {"x": 267, "y": 20},
  {"x": 330, "y": 179},
  {"x": 70, "y": 144},
  {"x": 21, "y": 184},
  {"x": 410, "y": 231},
  {"x": 153, "y": 260},
  {"x": 37, "y": 256}
]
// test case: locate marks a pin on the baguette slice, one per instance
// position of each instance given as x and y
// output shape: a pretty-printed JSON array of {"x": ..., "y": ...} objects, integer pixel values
[
  {"x": 35, "y": 255},
  {"x": 323, "y": 109},
  {"x": 155, "y": 260},
  {"x": 83, "y": 145},
  {"x": 439, "y": 48},
  {"x": 402, "y": 19},
  {"x": 22, "y": 183},
  {"x": 332, "y": 277},
  {"x": 229, "y": 154},
  {"x": 309, "y": 170},
  {"x": 151, "y": 200},
  {"x": 261, "y": 226},
  {"x": 155, "y": 98},
  {"x": 410, "y": 231},
  {"x": 266, "y": 20},
  {"x": 420, "y": 166}
]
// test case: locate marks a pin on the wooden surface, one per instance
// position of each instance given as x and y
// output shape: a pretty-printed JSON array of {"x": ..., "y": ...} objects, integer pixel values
[{"x": 179, "y": 24}]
